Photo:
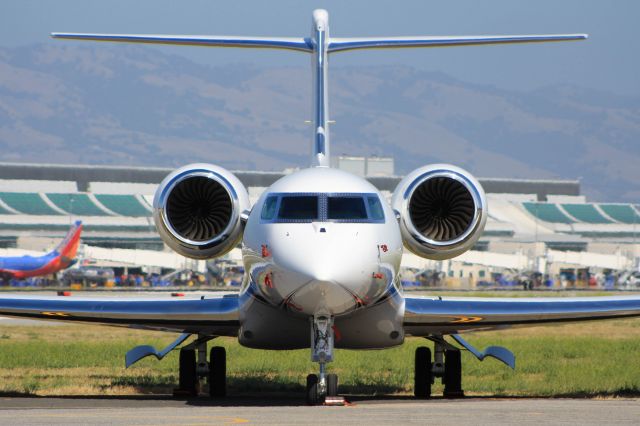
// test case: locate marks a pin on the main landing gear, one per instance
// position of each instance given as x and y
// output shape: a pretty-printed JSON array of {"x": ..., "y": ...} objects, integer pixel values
[
  {"x": 194, "y": 367},
  {"x": 446, "y": 364},
  {"x": 323, "y": 386}
]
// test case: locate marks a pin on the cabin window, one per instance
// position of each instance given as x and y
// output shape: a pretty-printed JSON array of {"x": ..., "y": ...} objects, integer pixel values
[
  {"x": 346, "y": 208},
  {"x": 303, "y": 207},
  {"x": 269, "y": 208}
]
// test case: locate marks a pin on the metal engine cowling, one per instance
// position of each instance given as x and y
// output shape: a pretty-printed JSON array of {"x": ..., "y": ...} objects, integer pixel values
[
  {"x": 197, "y": 210},
  {"x": 442, "y": 211}
]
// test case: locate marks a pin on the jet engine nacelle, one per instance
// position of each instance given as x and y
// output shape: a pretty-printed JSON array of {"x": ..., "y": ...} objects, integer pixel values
[
  {"x": 197, "y": 210},
  {"x": 442, "y": 211}
]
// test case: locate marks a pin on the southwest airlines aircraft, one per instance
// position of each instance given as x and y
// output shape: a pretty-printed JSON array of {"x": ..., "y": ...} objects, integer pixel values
[
  {"x": 63, "y": 256},
  {"x": 322, "y": 251}
]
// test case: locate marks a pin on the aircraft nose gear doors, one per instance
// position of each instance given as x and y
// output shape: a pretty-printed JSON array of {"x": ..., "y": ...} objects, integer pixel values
[{"x": 323, "y": 385}]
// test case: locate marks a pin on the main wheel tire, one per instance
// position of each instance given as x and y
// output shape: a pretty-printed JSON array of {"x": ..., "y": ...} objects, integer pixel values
[
  {"x": 422, "y": 378},
  {"x": 452, "y": 378},
  {"x": 313, "y": 397},
  {"x": 188, "y": 379},
  {"x": 217, "y": 372},
  {"x": 332, "y": 385}
]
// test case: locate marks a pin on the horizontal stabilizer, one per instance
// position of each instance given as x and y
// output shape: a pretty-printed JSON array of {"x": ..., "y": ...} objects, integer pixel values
[
  {"x": 292, "y": 43},
  {"x": 342, "y": 44}
]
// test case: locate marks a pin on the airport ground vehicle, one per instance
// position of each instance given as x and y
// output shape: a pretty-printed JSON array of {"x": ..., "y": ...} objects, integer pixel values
[{"x": 87, "y": 275}]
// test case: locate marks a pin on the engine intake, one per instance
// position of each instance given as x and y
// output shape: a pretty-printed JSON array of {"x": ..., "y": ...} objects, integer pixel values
[
  {"x": 197, "y": 210},
  {"x": 442, "y": 211}
]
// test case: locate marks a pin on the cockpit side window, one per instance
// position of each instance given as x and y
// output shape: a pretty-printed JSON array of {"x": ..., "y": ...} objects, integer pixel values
[
  {"x": 269, "y": 208},
  {"x": 346, "y": 208},
  {"x": 375, "y": 208},
  {"x": 302, "y": 207}
]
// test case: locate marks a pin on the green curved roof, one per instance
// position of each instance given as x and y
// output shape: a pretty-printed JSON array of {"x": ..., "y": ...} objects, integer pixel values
[
  {"x": 547, "y": 212},
  {"x": 76, "y": 204},
  {"x": 585, "y": 213},
  {"x": 126, "y": 205},
  {"x": 28, "y": 203}
]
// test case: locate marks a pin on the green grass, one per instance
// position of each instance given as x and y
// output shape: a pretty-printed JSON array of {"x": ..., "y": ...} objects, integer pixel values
[{"x": 595, "y": 359}]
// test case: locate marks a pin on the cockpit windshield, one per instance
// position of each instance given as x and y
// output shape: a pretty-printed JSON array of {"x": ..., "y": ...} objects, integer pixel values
[
  {"x": 298, "y": 207},
  {"x": 322, "y": 207},
  {"x": 346, "y": 208}
]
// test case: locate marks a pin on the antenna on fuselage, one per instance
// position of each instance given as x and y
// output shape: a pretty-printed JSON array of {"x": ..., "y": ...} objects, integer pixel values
[{"x": 320, "y": 44}]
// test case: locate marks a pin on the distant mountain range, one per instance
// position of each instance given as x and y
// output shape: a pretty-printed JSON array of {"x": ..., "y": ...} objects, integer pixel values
[{"x": 130, "y": 105}]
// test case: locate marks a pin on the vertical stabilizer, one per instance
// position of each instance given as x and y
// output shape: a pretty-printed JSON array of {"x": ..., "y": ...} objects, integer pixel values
[
  {"x": 68, "y": 248},
  {"x": 319, "y": 66}
]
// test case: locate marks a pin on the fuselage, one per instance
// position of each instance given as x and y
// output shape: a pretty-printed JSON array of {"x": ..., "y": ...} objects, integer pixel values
[
  {"x": 321, "y": 241},
  {"x": 30, "y": 266}
]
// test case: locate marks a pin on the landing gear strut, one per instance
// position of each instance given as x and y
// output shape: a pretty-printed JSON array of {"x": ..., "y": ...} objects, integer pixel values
[
  {"x": 446, "y": 364},
  {"x": 191, "y": 371},
  {"x": 323, "y": 385}
]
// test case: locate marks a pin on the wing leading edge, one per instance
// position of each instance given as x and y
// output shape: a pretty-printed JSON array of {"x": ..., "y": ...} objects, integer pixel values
[
  {"x": 207, "y": 315},
  {"x": 433, "y": 315}
]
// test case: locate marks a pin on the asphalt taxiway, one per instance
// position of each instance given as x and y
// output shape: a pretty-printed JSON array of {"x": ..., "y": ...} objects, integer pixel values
[{"x": 167, "y": 411}]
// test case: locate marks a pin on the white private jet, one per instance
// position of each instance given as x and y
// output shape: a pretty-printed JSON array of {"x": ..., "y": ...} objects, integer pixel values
[{"x": 322, "y": 250}]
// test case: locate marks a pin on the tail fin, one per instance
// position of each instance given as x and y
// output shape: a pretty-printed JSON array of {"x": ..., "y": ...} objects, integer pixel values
[{"x": 68, "y": 248}]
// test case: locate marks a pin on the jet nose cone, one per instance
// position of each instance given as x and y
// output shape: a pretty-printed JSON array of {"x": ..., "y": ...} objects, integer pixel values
[{"x": 322, "y": 296}]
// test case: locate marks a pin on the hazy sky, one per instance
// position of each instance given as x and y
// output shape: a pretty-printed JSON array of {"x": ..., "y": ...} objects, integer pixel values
[{"x": 609, "y": 60}]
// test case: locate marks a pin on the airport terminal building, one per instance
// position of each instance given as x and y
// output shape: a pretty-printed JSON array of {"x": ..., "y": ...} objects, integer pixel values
[{"x": 537, "y": 225}]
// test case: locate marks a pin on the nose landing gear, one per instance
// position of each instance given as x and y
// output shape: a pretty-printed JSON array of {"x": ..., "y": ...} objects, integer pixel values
[{"x": 321, "y": 386}]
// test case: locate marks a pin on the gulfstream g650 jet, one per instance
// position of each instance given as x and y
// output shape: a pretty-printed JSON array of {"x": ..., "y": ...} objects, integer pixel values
[{"x": 322, "y": 250}]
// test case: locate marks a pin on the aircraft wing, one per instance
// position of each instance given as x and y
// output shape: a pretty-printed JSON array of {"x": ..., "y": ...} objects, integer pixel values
[
  {"x": 426, "y": 316},
  {"x": 209, "y": 315}
]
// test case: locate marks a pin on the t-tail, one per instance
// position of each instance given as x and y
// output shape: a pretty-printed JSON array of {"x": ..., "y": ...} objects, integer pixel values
[{"x": 319, "y": 44}]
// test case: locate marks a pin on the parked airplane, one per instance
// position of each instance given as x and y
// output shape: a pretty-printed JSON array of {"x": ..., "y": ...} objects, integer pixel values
[
  {"x": 63, "y": 256},
  {"x": 321, "y": 249}
]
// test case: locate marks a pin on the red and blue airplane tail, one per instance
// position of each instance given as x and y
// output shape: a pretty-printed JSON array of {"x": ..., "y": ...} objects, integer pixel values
[
  {"x": 68, "y": 248},
  {"x": 63, "y": 256}
]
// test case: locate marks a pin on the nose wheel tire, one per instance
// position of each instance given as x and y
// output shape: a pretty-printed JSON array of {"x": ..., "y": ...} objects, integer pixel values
[
  {"x": 217, "y": 372},
  {"x": 188, "y": 379},
  {"x": 452, "y": 378},
  {"x": 423, "y": 373},
  {"x": 313, "y": 396}
]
